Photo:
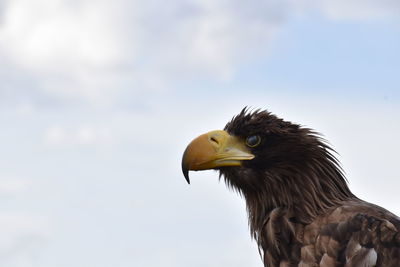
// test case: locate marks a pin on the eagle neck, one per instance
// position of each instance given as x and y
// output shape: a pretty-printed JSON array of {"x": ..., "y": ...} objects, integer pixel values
[{"x": 302, "y": 192}]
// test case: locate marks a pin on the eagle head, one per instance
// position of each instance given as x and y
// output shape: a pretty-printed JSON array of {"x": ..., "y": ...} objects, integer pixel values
[
  {"x": 254, "y": 143},
  {"x": 265, "y": 157}
]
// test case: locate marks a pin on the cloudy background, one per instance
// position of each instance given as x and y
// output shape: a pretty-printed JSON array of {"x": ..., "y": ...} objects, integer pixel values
[{"x": 98, "y": 100}]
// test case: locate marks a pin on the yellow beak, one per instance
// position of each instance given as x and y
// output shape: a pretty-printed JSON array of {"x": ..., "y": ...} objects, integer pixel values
[{"x": 212, "y": 150}]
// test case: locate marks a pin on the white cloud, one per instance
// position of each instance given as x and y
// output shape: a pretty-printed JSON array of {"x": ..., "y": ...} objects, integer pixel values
[
  {"x": 354, "y": 10},
  {"x": 60, "y": 136},
  {"x": 11, "y": 186},
  {"x": 55, "y": 136},
  {"x": 62, "y": 43},
  {"x": 21, "y": 237},
  {"x": 45, "y": 34},
  {"x": 360, "y": 9},
  {"x": 95, "y": 50}
]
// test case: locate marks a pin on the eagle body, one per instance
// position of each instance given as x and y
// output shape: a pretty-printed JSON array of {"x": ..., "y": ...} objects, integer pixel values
[
  {"x": 356, "y": 233},
  {"x": 300, "y": 209}
]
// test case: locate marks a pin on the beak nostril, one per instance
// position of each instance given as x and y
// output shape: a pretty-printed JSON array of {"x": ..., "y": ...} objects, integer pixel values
[{"x": 214, "y": 140}]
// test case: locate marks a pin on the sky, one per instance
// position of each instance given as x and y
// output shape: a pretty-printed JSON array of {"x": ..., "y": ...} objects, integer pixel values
[{"x": 98, "y": 100}]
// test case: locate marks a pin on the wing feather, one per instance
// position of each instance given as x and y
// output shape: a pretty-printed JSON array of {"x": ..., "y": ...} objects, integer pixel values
[{"x": 353, "y": 236}]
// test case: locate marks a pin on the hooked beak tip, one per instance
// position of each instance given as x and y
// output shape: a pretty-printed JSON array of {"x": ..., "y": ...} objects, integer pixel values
[
  {"x": 186, "y": 174},
  {"x": 185, "y": 169}
]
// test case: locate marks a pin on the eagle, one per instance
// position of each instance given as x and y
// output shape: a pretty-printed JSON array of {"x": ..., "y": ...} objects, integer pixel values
[{"x": 300, "y": 209}]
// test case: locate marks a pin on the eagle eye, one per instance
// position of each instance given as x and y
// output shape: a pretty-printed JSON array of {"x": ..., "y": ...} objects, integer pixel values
[{"x": 253, "y": 140}]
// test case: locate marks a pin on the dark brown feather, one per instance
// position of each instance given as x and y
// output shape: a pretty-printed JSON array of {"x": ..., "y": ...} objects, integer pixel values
[{"x": 301, "y": 211}]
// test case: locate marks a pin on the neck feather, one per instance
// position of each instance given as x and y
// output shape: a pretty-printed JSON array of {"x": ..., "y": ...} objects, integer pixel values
[{"x": 304, "y": 190}]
